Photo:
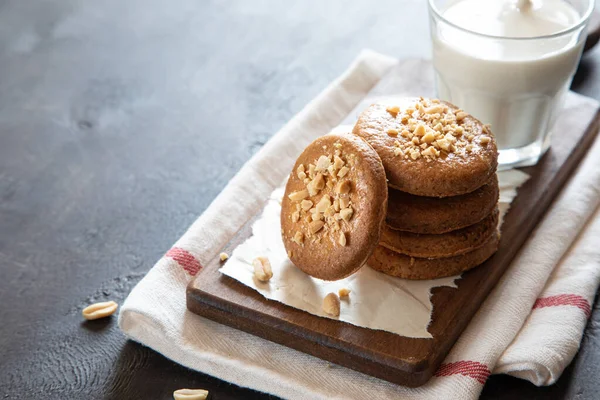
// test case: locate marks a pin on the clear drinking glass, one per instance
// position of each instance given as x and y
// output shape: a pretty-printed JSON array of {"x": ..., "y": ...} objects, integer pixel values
[{"x": 515, "y": 84}]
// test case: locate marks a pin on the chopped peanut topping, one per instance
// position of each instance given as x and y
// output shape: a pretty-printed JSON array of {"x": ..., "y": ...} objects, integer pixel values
[
  {"x": 343, "y": 187},
  {"x": 324, "y": 205},
  {"x": 394, "y": 110},
  {"x": 319, "y": 182},
  {"x": 336, "y": 205},
  {"x": 342, "y": 240},
  {"x": 295, "y": 216},
  {"x": 316, "y": 226},
  {"x": 450, "y": 138},
  {"x": 429, "y": 128},
  {"x": 306, "y": 205},
  {"x": 297, "y": 196},
  {"x": 346, "y": 213},
  {"x": 344, "y": 202},
  {"x": 322, "y": 164},
  {"x": 444, "y": 144},
  {"x": 461, "y": 115},
  {"x": 431, "y": 152},
  {"x": 338, "y": 162},
  {"x": 420, "y": 131},
  {"x": 298, "y": 237},
  {"x": 437, "y": 109},
  {"x": 429, "y": 137},
  {"x": 343, "y": 171}
]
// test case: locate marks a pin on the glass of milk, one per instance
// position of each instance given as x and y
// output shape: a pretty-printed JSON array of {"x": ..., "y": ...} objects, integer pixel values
[{"x": 509, "y": 63}]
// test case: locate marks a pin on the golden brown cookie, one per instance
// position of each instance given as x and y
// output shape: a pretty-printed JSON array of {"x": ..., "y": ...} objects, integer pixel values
[
  {"x": 448, "y": 244},
  {"x": 334, "y": 206},
  {"x": 399, "y": 265},
  {"x": 428, "y": 147},
  {"x": 431, "y": 215}
]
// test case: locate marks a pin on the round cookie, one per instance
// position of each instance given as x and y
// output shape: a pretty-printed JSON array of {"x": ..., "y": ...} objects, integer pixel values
[
  {"x": 428, "y": 147},
  {"x": 448, "y": 244},
  {"x": 334, "y": 206},
  {"x": 406, "y": 267},
  {"x": 430, "y": 215}
]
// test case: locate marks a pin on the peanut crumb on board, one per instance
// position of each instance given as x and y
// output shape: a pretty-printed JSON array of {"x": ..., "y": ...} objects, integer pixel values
[
  {"x": 331, "y": 304},
  {"x": 262, "y": 269}
]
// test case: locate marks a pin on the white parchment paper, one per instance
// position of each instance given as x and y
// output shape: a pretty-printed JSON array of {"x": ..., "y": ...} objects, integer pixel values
[{"x": 377, "y": 301}]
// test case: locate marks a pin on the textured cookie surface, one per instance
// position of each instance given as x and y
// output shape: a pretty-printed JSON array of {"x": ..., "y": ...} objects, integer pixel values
[
  {"x": 418, "y": 214},
  {"x": 399, "y": 265},
  {"x": 448, "y": 244},
  {"x": 428, "y": 147},
  {"x": 334, "y": 206}
]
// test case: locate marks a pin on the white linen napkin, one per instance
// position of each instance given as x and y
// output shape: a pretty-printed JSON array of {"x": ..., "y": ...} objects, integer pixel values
[{"x": 530, "y": 326}]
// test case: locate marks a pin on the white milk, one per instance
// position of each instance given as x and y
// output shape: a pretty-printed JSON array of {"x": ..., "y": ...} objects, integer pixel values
[{"x": 515, "y": 85}]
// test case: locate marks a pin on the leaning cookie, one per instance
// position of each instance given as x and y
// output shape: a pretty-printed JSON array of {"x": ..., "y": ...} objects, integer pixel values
[
  {"x": 431, "y": 215},
  {"x": 334, "y": 206},
  {"x": 399, "y": 265},
  {"x": 448, "y": 244},
  {"x": 428, "y": 147}
]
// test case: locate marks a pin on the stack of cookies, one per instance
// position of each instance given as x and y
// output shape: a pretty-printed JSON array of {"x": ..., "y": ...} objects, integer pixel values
[
  {"x": 412, "y": 191},
  {"x": 440, "y": 163}
]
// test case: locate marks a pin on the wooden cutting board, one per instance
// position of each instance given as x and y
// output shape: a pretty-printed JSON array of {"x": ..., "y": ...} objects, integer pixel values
[{"x": 385, "y": 355}]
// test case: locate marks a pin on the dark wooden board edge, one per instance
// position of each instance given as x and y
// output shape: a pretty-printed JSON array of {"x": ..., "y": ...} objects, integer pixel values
[
  {"x": 520, "y": 221},
  {"x": 298, "y": 338}
]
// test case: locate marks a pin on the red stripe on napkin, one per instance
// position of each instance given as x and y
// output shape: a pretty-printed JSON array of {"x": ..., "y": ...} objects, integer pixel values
[
  {"x": 473, "y": 369},
  {"x": 564, "y": 300},
  {"x": 184, "y": 258}
]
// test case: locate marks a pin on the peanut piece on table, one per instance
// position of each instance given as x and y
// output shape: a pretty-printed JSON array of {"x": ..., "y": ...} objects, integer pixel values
[
  {"x": 99, "y": 310},
  {"x": 190, "y": 394}
]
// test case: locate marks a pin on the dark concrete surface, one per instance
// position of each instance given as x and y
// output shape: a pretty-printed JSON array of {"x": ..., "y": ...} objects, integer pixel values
[{"x": 120, "y": 121}]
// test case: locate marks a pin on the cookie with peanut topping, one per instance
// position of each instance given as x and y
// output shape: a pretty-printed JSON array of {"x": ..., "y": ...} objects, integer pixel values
[
  {"x": 449, "y": 244},
  {"x": 402, "y": 266},
  {"x": 431, "y": 215},
  {"x": 334, "y": 206},
  {"x": 429, "y": 147}
]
